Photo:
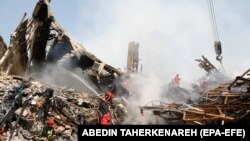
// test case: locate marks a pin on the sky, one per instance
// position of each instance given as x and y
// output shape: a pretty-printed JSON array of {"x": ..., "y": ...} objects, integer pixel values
[{"x": 171, "y": 33}]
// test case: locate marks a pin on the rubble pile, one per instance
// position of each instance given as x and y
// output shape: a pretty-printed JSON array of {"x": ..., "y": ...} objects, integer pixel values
[
  {"x": 39, "y": 41},
  {"x": 33, "y": 111},
  {"x": 227, "y": 103}
]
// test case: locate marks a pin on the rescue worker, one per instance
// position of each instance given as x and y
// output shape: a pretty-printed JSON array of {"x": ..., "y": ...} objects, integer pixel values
[
  {"x": 177, "y": 80},
  {"x": 108, "y": 97},
  {"x": 105, "y": 120}
]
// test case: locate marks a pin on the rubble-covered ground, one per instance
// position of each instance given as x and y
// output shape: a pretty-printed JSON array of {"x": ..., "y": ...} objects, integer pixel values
[
  {"x": 38, "y": 79},
  {"x": 224, "y": 104},
  {"x": 41, "y": 58},
  {"x": 33, "y": 111}
]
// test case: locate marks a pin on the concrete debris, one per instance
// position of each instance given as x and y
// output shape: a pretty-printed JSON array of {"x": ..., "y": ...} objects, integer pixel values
[
  {"x": 31, "y": 110},
  {"x": 40, "y": 40},
  {"x": 227, "y": 103}
]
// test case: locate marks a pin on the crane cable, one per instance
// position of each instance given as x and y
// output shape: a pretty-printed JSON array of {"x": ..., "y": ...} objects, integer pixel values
[
  {"x": 217, "y": 43},
  {"x": 213, "y": 20}
]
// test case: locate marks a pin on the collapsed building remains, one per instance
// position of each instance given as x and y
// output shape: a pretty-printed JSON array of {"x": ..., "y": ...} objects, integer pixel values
[
  {"x": 226, "y": 103},
  {"x": 133, "y": 57},
  {"x": 41, "y": 33},
  {"x": 31, "y": 110},
  {"x": 35, "y": 111}
]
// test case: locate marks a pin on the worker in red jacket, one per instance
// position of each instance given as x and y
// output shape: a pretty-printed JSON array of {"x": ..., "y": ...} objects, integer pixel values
[
  {"x": 105, "y": 120},
  {"x": 108, "y": 97}
]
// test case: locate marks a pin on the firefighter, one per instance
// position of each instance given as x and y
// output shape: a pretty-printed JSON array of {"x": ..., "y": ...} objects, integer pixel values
[
  {"x": 108, "y": 97},
  {"x": 177, "y": 80},
  {"x": 105, "y": 120}
]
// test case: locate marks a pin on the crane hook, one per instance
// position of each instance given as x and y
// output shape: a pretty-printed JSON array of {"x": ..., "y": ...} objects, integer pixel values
[{"x": 218, "y": 50}]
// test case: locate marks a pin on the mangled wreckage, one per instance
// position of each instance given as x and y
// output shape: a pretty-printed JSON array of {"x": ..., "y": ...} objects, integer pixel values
[
  {"x": 34, "y": 36},
  {"x": 36, "y": 111},
  {"x": 219, "y": 101},
  {"x": 32, "y": 110}
]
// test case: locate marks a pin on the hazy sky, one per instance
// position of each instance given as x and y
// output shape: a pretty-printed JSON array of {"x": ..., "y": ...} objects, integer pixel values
[{"x": 171, "y": 33}]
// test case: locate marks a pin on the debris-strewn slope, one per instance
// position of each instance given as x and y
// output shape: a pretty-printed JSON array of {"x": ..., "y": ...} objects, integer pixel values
[{"x": 31, "y": 110}]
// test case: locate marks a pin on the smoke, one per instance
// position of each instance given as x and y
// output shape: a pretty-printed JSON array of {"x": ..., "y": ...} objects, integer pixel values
[
  {"x": 73, "y": 78},
  {"x": 150, "y": 90},
  {"x": 143, "y": 89},
  {"x": 171, "y": 34}
]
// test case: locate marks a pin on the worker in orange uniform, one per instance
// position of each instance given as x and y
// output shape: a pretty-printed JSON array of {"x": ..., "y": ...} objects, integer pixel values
[
  {"x": 108, "y": 97},
  {"x": 105, "y": 120}
]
